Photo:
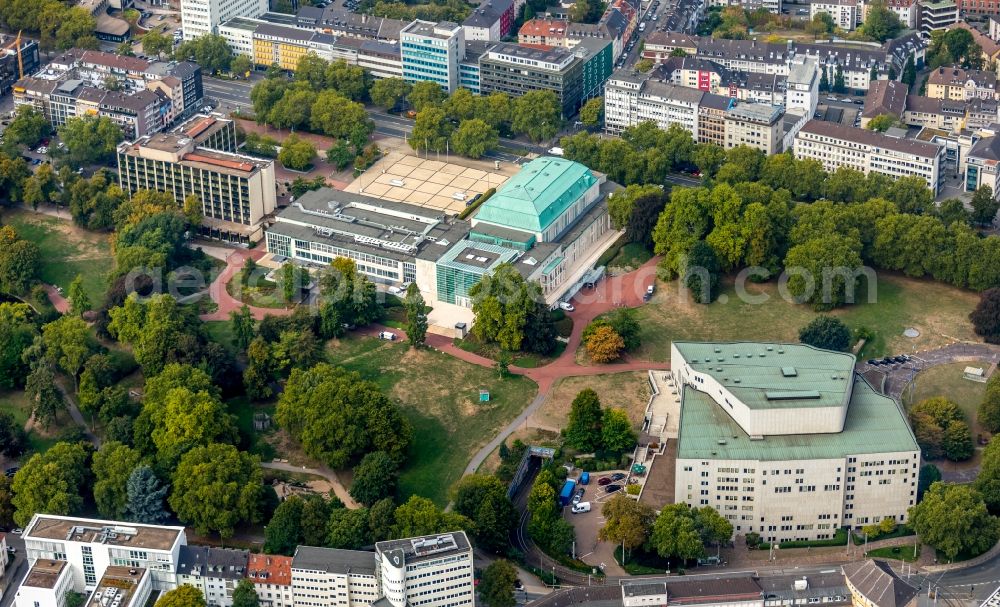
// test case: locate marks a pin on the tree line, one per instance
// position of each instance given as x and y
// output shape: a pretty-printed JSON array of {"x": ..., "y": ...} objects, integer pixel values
[{"x": 779, "y": 211}]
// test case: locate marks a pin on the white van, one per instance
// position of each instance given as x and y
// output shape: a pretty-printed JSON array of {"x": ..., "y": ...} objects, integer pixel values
[
  {"x": 387, "y": 335},
  {"x": 581, "y": 507},
  {"x": 556, "y": 151}
]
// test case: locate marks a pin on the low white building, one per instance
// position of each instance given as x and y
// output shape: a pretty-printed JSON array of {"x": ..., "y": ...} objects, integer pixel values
[
  {"x": 836, "y": 145},
  {"x": 631, "y": 99},
  {"x": 785, "y": 441},
  {"x": 46, "y": 584},
  {"x": 429, "y": 571},
  {"x": 90, "y": 546},
  {"x": 845, "y": 13}
]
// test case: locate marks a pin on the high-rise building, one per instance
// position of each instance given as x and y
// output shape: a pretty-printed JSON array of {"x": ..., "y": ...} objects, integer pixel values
[
  {"x": 200, "y": 17},
  {"x": 432, "y": 51},
  {"x": 430, "y": 571},
  {"x": 236, "y": 191},
  {"x": 516, "y": 70}
]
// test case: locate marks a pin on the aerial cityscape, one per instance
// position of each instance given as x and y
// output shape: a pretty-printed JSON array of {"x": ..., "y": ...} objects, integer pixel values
[{"x": 499, "y": 303}]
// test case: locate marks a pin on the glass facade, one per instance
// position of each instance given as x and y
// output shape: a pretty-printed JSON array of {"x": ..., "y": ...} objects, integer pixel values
[{"x": 453, "y": 285}]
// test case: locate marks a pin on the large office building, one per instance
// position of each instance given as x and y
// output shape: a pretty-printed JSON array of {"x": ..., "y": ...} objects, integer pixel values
[
  {"x": 432, "y": 51},
  {"x": 325, "y": 577},
  {"x": 391, "y": 242},
  {"x": 785, "y": 441},
  {"x": 198, "y": 158},
  {"x": 429, "y": 571},
  {"x": 835, "y": 145},
  {"x": 516, "y": 70},
  {"x": 201, "y": 17},
  {"x": 90, "y": 547}
]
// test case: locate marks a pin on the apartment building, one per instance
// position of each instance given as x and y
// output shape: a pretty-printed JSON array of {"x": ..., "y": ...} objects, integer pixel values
[
  {"x": 712, "y": 119},
  {"x": 151, "y": 95},
  {"x": 908, "y": 11},
  {"x": 236, "y": 191},
  {"x": 429, "y": 571},
  {"x": 774, "y": 58},
  {"x": 491, "y": 21},
  {"x": 772, "y": 6},
  {"x": 846, "y": 14},
  {"x": 802, "y": 85},
  {"x": 200, "y": 17},
  {"x": 631, "y": 98},
  {"x": 213, "y": 571},
  {"x": 885, "y": 97},
  {"x": 324, "y": 577},
  {"x": 836, "y": 145},
  {"x": 943, "y": 114},
  {"x": 777, "y": 438},
  {"x": 89, "y": 547},
  {"x": 271, "y": 575},
  {"x": 937, "y": 15},
  {"x": 958, "y": 84},
  {"x": 343, "y": 23},
  {"x": 988, "y": 44},
  {"x": 432, "y": 51},
  {"x": 284, "y": 45},
  {"x": 754, "y": 125}
]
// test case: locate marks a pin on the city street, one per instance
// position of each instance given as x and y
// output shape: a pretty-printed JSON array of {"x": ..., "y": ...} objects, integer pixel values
[{"x": 16, "y": 570}]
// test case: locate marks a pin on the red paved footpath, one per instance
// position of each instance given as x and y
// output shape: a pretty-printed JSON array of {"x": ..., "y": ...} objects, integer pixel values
[
  {"x": 226, "y": 302},
  {"x": 60, "y": 303},
  {"x": 610, "y": 293}
]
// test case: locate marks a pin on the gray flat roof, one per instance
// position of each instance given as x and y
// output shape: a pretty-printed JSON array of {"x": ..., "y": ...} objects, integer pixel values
[
  {"x": 331, "y": 560},
  {"x": 427, "y": 547}
]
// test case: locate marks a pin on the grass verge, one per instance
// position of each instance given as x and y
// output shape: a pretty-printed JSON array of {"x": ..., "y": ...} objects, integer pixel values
[
  {"x": 439, "y": 394},
  {"x": 909, "y": 553},
  {"x": 938, "y": 311},
  {"x": 16, "y": 403},
  {"x": 65, "y": 251}
]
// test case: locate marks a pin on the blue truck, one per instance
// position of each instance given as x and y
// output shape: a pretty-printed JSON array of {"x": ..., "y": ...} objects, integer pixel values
[{"x": 566, "y": 495}]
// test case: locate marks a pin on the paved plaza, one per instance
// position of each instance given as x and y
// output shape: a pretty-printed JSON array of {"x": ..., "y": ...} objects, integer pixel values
[{"x": 428, "y": 182}]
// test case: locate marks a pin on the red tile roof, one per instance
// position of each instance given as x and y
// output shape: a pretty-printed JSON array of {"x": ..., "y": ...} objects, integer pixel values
[{"x": 270, "y": 569}]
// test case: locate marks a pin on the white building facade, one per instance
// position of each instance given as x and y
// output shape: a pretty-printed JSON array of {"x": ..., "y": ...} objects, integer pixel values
[
  {"x": 779, "y": 439},
  {"x": 200, "y": 17},
  {"x": 430, "y": 571},
  {"x": 835, "y": 145}
]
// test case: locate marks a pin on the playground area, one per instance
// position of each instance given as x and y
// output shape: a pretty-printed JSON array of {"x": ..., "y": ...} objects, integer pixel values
[{"x": 448, "y": 185}]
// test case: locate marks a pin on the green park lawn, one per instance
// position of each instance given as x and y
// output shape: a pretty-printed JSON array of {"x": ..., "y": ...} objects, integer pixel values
[
  {"x": 16, "y": 403},
  {"x": 66, "y": 250},
  {"x": 899, "y": 553},
  {"x": 439, "y": 394},
  {"x": 940, "y": 312},
  {"x": 221, "y": 332}
]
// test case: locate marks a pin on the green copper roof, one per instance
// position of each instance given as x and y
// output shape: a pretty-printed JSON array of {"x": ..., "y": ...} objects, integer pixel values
[
  {"x": 537, "y": 195},
  {"x": 875, "y": 424},
  {"x": 773, "y": 375}
]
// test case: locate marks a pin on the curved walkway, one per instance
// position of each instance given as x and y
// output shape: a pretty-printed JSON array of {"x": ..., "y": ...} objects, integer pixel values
[
  {"x": 327, "y": 474},
  {"x": 226, "y": 302}
]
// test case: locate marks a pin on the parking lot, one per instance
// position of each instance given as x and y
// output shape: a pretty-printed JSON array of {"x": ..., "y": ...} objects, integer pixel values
[
  {"x": 439, "y": 184},
  {"x": 587, "y": 524}
]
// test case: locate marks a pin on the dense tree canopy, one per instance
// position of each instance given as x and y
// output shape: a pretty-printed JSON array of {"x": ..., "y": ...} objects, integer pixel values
[
  {"x": 941, "y": 429},
  {"x": 217, "y": 487},
  {"x": 826, "y": 332},
  {"x": 53, "y": 482},
  {"x": 338, "y": 417}
]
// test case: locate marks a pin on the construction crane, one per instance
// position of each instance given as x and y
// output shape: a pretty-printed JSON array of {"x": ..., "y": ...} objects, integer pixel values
[{"x": 17, "y": 48}]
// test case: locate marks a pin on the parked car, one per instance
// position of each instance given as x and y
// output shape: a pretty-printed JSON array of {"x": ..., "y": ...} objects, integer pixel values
[
  {"x": 387, "y": 335},
  {"x": 565, "y": 305},
  {"x": 581, "y": 507},
  {"x": 11, "y": 471},
  {"x": 604, "y": 480},
  {"x": 394, "y": 290},
  {"x": 612, "y": 488},
  {"x": 17, "y": 531},
  {"x": 578, "y": 496},
  {"x": 617, "y": 476}
]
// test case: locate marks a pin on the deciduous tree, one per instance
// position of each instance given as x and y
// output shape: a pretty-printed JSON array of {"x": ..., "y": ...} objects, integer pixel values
[
  {"x": 954, "y": 520},
  {"x": 497, "y": 586},
  {"x": 416, "y": 316},
  {"x": 627, "y": 522},
  {"x": 675, "y": 534},
  {"x": 78, "y": 299},
  {"x": 387, "y": 93},
  {"x": 182, "y": 596},
  {"x": 297, "y": 153},
  {"x": 52, "y": 482},
  {"x": 826, "y": 332},
  {"x": 617, "y": 435},
  {"x": 217, "y": 487},
  {"x": 592, "y": 112},
  {"x": 113, "y": 466},
  {"x": 375, "y": 478},
  {"x": 537, "y": 114},
  {"x": 474, "y": 138},
  {"x": 605, "y": 345},
  {"x": 425, "y": 94},
  {"x": 245, "y": 593}
]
